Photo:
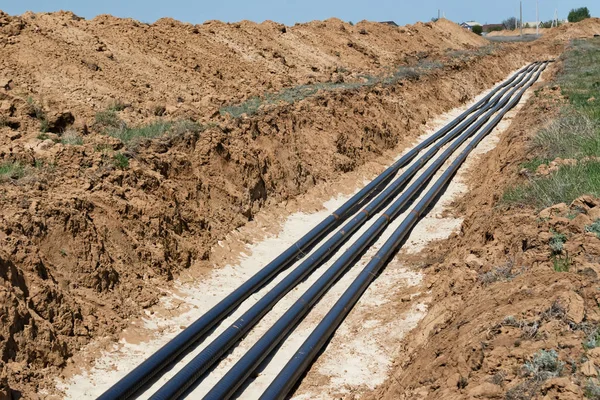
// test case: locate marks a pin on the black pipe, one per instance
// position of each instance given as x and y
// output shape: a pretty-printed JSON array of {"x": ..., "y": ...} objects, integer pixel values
[
  {"x": 238, "y": 374},
  {"x": 209, "y": 356},
  {"x": 178, "y": 346},
  {"x": 296, "y": 367}
]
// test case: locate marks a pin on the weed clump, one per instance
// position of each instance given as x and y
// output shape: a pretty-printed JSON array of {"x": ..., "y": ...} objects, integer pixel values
[
  {"x": 120, "y": 161},
  {"x": 12, "y": 171},
  {"x": 71, "y": 138},
  {"x": 557, "y": 242},
  {"x": 594, "y": 228},
  {"x": 543, "y": 366}
]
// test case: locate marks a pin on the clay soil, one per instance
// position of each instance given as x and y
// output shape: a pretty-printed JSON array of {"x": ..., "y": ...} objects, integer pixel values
[
  {"x": 497, "y": 298},
  {"x": 88, "y": 239}
]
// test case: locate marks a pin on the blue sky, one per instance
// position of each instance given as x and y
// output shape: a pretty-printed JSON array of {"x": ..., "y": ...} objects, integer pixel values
[{"x": 291, "y": 11}]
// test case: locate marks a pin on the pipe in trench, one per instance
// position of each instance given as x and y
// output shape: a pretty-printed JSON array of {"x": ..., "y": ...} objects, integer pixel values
[
  {"x": 146, "y": 372},
  {"x": 240, "y": 372},
  {"x": 209, "y": 356},
  {"x": 296, "y": 367}
]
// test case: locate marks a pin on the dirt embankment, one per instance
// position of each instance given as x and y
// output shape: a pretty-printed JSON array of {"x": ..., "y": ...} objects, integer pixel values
[
  {"x": 504, "y": 321},
  {"x": 91, "y": 228}
]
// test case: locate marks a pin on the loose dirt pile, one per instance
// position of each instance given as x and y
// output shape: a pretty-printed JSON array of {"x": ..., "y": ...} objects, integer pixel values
[
  {"x": 506, "y": 320},
  {"x": 584, "y": 29},
  {"x": 526, "y": 31}
]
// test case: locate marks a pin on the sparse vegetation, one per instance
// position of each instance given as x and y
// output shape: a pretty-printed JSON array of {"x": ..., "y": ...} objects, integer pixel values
[
  {"x": 71, "y": 138},
  {"x": 43, "y": 136},
  {"x": 116, "y": 105},
  {"x": 592, "y": 389},
  {"x": 478, "y": 30},
  {"x": 108, "y": 118},
  {"x": 574, "y": 135},
  {"x": 503, "y": 273},
  {"x": 544, "y": 365},
  {"x": 594, "y": 228},
  {"x": 133, "y": 136},
  {"x": 557, "y": 242},
  {"x": 12, "y": 171},
  {"x": 38, "y": 113},
  {"x": 298, "y": 93},
  {"x": 562, "y": 263}
]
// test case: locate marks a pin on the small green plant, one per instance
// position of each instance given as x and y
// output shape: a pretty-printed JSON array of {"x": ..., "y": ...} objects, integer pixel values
[
  {"x": 63, "y": 252},
  {"x": 120, "y": 161},
  {"x": 544, "y": 365},
  {"x": 43, "y": 136},
  {"x": 557, "y": 242},
  {"x": 108, "y": 118},
  {"x": 562, "y": 263},
  {"x": 594, "y": 228},
  {"x": 71, "y": 138},
  {"x": 12, "y": 171},
  {"x": 592, "y": 390}
]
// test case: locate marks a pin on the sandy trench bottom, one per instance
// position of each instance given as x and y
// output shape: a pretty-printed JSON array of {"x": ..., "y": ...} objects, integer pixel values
[{"x": 360, "y": 354}]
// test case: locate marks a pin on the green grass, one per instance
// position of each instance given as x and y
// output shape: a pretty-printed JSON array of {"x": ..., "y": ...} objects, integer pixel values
[
  {"x": 108, "y": 118},
  {"x": 534, "y": 164},
  {"x": 574, "y": 134},
  {"x": 12, "y": 171},
  {"x": 561, "y": 263},
  {"x": 563, "y": 186},
  {"x": 133, "y": 136}
]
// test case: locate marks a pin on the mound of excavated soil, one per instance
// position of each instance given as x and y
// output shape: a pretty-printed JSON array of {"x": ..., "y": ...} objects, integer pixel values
[
  {"x": 584, "y": 29},
  {"x": 193, "y": 70},
  {"x": 90, "y": 229},
  {"x": 526, "y": 31}
]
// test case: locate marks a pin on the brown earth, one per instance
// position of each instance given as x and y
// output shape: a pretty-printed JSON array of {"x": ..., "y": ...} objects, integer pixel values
[
  {"x": 86, "y": 243},
  {"x": 497, "y": 300}
]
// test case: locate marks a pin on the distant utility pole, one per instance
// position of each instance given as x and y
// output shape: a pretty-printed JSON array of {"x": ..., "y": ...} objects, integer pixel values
[
  {"x": 521, "y": 19},
  {"x": 537, "y": 17},
  {"x": 439, "y": 13}
]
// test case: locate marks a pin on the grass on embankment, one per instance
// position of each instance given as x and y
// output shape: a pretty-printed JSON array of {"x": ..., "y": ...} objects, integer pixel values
[{"x": 575, "y": 134}]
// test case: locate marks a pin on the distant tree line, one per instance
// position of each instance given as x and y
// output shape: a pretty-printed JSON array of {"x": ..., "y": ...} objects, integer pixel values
[{"x": 579, "y": 14}]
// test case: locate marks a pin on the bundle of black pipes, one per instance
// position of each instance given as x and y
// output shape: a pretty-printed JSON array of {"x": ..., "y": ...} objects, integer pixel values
[
  {"x": 295, "y": 368},
  {"x": 196, "y": 368},
  {"x": 147, "y": 371}
]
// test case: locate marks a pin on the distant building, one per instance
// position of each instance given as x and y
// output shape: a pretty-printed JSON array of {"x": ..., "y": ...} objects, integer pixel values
[
  {"x": 391, "y": 23},
  {"x": 470, "y": 24}
]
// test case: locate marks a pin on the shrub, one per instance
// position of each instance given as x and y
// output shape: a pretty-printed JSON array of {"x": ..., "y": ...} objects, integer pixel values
[
  {"x": 557, "y": 242},
  {"x": 594, "y": 228},
  {"x": 579, "y": 14},
  {"x": 592, "y": 390},
  {"x": 544, "y": 365},
  {"x": 478, "y": 30}
]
